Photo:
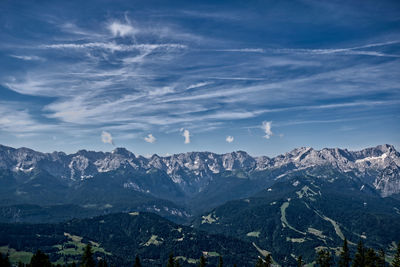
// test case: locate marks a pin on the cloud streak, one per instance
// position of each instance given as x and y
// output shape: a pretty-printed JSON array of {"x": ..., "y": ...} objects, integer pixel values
[
  {"x": 113, "y": 46},
  {"x": 242, "y": 50},
  {"x": 356, "y": 50},
  {"x": 27, "y": 58}
]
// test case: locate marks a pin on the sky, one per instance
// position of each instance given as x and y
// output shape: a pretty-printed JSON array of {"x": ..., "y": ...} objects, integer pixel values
[{"x": 167, "y": 77}]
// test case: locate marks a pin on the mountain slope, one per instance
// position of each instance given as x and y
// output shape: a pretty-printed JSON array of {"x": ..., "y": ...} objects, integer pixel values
[
  {"x": 302, "y": 213},
  {"x": 119, "y": 237},
  {"x": 198, "y": 180}
]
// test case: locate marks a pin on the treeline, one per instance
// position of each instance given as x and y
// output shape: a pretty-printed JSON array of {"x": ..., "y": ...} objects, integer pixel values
[{"x": 364, "y": 257}]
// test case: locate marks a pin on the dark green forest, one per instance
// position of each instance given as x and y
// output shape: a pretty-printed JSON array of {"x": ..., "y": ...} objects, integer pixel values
[{"x": 364, "y": 257}]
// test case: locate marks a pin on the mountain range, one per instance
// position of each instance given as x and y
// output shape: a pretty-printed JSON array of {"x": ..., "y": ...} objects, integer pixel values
[
  {"x": 191, "y": 178},
  {"x": 289, "y": 205}
]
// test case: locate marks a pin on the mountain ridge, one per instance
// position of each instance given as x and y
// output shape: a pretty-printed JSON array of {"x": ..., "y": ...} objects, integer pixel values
[{"x": 85, "y": 164}]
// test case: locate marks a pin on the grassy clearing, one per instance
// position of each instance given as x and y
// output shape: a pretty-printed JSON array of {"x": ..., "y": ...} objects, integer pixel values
[
  {"x": 295, "y": 240},
  {"x": 189, "y": 260},
  {"x": 75, "y": 246},
  {"x": 153, "y": 241},
  {"x": 212, "y": 254},
  {"x": 210, "y": 218},
  {"x": 316, "y": 232},
  {"x": 306, "y": 192},
  {"x": 253, "y": 234},
  {"x": 284, "y": 221},
  {"x": 16, "y": 256}
]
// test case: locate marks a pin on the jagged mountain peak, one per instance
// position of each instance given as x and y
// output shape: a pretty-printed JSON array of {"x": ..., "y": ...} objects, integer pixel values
[
  {"x": 196, "y": 170},
  {"x": 123, "y": 152}
]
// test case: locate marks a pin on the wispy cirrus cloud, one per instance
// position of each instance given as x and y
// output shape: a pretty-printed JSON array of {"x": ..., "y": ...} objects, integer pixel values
[
  {"x": 28, "y": 58},
  {"x": 197, "y": 85},
  {"x": 242, "y": 50},
  {"x": 14, "y": 120},
  {"x": 134, "y": 75},
  {"x": 356, "y": 50},
  {"x": 112, "y": 46}
]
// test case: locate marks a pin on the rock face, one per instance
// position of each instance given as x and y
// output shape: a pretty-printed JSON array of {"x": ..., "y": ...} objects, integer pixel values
[
  {"x": 193, "y": 172},
  {"x": 388, "y": 182}
]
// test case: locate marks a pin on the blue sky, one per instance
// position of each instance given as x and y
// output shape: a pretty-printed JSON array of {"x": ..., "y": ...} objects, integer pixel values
[{"x": 175, "y": 76}]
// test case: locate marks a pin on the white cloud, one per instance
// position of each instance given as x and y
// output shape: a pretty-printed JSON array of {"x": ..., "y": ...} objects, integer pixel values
[
  {"x": 136, "y": 98},
  {"x": 161, "y": 91},
  {"x": 196, "y": 85},
  {"x": 243, "y": 50},
  {"x": 266, "y": 126},
  {"x": 26, "y": 58},
  {"x": 16, "y": 121},
  {"x": 186, "y": 134},
  {"x": 119, "y": 29},
  {"x": 237, "y": 78},
  {"x": 106, "y": 137},
  {"x": 229, "y": 139},
  {"x": 150, "y": 138},
  {"x": 345, "y": 51},
  {"x": 112, "y": 46}
]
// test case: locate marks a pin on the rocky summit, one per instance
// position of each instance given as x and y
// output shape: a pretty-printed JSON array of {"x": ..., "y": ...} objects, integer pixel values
[{"x": 193, "y": 172}]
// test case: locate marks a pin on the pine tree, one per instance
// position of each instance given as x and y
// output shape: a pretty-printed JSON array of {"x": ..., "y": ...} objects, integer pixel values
[
  {"x": 171, "y": 261},
  {"x": 87, "y": 257},
  {"x": 300, "y": 261},
  {"x": 203, "y": 261},
  {"x": 137, "y": 262},
  {"x": 359, "y": 257},
  {"x": 4, "y": 261},
  {"x": 370, "y": 258},
  {"x": 259, "y": 263},
  {"x": 381, "y": 259},
  {"x": 102, "y": 263},
  {"x": 220, "y": 262},
  {"x": 39, "y": 259},
  {"x": 345, "y": 259},
  {"x": 268, "y": 260},
  {"x": 324, "y": 258},
  {"x": 396, "y": 259}
]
